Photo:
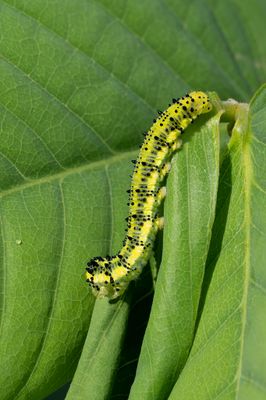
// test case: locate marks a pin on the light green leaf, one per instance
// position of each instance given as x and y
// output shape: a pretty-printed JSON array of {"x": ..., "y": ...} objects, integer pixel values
[
  {"x": 228, "y": 357},
  {"x": 101, "y": 352},
  {"x": 189, "y": 214}
]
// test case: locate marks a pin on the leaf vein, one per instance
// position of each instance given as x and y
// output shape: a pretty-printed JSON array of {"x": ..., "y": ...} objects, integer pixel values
[
  {"x": 58, "y": 101},
  {"x": 70, "y": 171},
  {"x": 45, "y": 145},
  {"x": 146, "y": 44},
  {"x": 54, "y": 300},
  {"x": 77, "y": 48}
]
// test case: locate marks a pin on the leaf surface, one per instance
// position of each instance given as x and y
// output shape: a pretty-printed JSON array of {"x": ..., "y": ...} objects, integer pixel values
[
  {"x": 228, "y": 357},
  {"x": 189, "y": 214},
  {"x": 79, "y": 83}
]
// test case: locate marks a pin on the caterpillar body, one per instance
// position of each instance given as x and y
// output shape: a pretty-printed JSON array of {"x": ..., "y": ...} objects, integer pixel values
[{"x": 109, "y": 276}]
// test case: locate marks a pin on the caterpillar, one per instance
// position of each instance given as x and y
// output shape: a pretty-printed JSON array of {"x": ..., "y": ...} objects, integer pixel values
[{"x": 109, "y": 276}]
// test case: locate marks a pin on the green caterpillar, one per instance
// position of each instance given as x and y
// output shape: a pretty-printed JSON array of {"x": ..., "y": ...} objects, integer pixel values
[{"x": 109, "y": 276}]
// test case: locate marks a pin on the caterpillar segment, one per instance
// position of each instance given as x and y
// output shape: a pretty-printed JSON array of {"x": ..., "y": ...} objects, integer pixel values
[{"x": 109, "y": 276}]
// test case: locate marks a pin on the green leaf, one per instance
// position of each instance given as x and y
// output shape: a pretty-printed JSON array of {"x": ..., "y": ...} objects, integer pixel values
[
  {"x": 108, "y": 324},
  {"x": 79, "y": 83},
  {"x": 47, "y": 308},
  {"x": 228, "y": 357},
  {"x": 101, "y": 352},
  {"x": 189, "y": 214}
]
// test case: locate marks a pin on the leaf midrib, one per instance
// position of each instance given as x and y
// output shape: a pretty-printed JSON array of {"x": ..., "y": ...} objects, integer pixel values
[
  {"x": 248, "y": 174},
  {"x": 70, "y": 171}
]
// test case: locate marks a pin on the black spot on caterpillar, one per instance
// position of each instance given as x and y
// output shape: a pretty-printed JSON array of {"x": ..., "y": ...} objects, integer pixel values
[{"x": 109, "y": 276}]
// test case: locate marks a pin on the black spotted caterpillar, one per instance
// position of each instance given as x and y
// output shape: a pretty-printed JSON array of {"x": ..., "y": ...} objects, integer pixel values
[{"x": 109, "y": 276}]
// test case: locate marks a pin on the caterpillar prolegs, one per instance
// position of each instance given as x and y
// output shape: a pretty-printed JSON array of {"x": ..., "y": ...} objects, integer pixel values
[{"x": 109, "y": 276}]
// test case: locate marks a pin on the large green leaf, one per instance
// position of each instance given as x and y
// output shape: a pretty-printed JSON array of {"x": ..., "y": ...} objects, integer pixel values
[
  {"x": 80, "y": 80},
  {"x": 189, "y": 214},
  {"x": 228, "y": 357}
]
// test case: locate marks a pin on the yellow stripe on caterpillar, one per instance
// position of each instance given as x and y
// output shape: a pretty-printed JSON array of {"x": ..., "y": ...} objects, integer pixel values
[{"x": 109, "y": 276}]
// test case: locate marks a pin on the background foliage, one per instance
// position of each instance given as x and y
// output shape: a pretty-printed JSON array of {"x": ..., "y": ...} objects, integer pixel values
[{"x": 79, "y": 82}]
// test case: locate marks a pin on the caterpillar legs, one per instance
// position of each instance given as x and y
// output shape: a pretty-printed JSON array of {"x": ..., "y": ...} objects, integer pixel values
[
  {"x": 161, "y": 193},
  {"x": 177, "y": 144},
  {"x": 159, "y": 222},
  {"x": 165, "y": 170}
]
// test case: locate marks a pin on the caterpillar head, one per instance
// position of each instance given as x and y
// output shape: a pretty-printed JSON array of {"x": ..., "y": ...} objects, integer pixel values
[{"x": 99, "y": 275}]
